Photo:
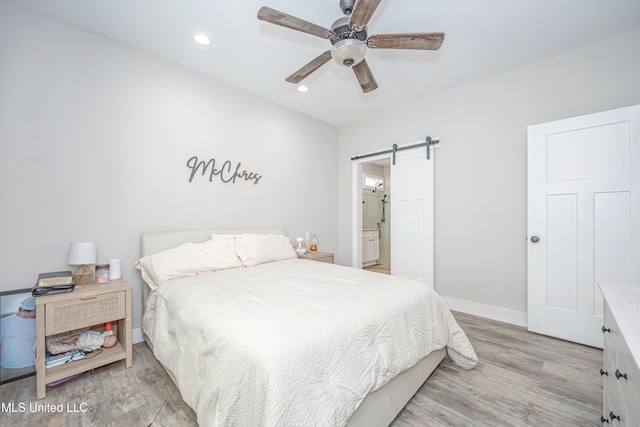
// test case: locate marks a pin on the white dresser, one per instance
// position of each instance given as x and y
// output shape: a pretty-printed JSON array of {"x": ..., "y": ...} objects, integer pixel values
[{"x": 621, "y": 370}]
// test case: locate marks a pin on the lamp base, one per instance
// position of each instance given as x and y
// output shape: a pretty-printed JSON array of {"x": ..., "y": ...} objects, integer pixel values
[{"x": 83, "y": 275}]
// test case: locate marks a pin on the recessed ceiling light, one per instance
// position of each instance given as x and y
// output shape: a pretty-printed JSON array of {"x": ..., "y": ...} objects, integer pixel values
[
  {"x": 202, "y": 39},
  {"x": 303, "y": 88}
]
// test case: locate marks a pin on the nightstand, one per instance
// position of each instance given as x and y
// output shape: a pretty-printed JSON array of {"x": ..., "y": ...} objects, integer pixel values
[
  {"x": 88, "y": 305},
  {"x": 318, "y": 256}
]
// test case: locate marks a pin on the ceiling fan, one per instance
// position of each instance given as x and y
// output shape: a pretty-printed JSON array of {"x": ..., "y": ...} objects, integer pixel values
[{"x": 350, "y": 40}]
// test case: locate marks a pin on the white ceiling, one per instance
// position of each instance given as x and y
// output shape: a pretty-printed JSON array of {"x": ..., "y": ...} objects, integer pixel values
[{"x": 483, "y": 38}]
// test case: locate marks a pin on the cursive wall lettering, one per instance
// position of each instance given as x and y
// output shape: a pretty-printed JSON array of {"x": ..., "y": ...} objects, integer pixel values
[{"x": 226, "y": 173}]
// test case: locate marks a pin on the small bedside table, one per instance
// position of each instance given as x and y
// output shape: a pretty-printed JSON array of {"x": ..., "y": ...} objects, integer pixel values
[
  {"x": 88, "y": 305},
  {"x": 318, "y": 256}
]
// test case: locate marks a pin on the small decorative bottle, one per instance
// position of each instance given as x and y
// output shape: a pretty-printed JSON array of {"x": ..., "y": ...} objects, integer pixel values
[
  {"x": 102, "y": 273},
  {"x": 313, "y": 243},
  {"x": 300, "y": 247}
]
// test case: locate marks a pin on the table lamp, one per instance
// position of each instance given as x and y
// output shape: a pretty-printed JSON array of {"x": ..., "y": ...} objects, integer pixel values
[{"x": 82, "y": 253}]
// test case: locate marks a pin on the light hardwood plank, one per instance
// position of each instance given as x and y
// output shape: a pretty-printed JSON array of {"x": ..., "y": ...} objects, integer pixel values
[{"x": 522, "y": 379}]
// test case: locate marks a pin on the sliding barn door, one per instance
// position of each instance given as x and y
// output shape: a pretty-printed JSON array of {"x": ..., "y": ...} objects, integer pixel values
[
  {"x": 412, "y": 215},
  {"x": 583, "y": 219}
]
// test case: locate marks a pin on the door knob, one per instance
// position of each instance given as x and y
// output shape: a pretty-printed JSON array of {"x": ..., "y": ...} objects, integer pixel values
[{"x": 535, "y": 239}]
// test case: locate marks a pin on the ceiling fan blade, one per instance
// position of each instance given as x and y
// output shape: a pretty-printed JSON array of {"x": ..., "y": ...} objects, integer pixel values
[
  {"x": 279, "y": 18},
  {"x": 365, "y": 76},
  {"x": 362, "y": 13},
  {"x": 421, "y": 41},
  {"x": 309, "y": 68}
]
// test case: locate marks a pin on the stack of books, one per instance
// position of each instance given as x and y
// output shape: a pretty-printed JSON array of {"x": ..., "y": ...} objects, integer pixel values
[
  {"x": 53, "y": 283},
  {"x": 58, "y": 359}
]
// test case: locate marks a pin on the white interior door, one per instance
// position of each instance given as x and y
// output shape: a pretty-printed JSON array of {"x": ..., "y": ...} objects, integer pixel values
[
  {"x": 583, "y": 219},
  {"x": 412, "y": 215}
]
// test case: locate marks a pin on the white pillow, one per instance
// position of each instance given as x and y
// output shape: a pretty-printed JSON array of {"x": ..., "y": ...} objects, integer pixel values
[
  {"x": 254, "y": 249},
  {"x": 188, "y": 259}
]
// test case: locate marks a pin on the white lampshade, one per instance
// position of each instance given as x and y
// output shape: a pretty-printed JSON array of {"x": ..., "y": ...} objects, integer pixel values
[
  {"x": 348, "y": 52},
  {"x": 81, "y": 253}
]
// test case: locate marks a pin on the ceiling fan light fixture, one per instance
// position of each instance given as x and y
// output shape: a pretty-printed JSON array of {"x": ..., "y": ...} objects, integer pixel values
[{"x": 348, "y": 52}]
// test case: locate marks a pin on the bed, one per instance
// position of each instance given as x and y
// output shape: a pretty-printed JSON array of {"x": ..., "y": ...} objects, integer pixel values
[{"x": 288, "y": 341}]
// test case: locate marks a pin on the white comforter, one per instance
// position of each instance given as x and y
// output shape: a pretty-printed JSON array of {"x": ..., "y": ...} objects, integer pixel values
[{"x": 294, "y": 342}]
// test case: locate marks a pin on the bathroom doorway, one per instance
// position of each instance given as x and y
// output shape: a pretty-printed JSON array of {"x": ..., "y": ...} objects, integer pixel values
[
  {"x": 409, "y": 222},
  {"x": 376, "y": 215}
]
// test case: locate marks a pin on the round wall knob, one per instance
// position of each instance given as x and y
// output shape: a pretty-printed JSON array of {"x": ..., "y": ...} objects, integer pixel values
[{"x": 535, "y": 239}]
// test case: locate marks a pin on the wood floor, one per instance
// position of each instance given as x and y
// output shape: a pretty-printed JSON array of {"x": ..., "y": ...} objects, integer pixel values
[
  {"x": 379, "y": 268},
  {"x": 522, "y": 379}
]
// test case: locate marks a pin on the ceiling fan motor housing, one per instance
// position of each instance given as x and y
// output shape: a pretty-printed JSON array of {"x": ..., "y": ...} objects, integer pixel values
[
  {"x": 347, "y": 6},
  {"x": 341, "y": 30}
]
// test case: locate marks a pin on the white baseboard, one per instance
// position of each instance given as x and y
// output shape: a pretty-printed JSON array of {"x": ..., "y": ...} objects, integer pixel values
[
  {"x": 136, "y": 335},
  {"x": 487, "y": 311}
]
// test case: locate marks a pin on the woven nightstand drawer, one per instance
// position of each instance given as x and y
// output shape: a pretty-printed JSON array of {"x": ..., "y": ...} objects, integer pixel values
[
  {"x": 318, "y": 256},
  {"x": 82, "y": 312}
]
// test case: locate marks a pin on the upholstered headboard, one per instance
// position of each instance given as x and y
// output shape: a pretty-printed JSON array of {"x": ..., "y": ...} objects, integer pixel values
[{"x": 154, "y": 242}]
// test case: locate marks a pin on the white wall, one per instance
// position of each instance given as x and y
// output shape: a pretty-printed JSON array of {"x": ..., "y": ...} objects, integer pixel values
[
  {"x": 480, "y": 169},
  {"x": 94, "y": 140}
]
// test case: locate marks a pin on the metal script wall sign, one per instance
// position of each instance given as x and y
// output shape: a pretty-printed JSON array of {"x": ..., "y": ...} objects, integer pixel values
[{"x": 226, "y": 173}]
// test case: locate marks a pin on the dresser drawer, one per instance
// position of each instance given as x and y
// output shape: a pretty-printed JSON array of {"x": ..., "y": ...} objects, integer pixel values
[
  {"x": 621, "y": 317},
  {"x": 318, "y": 256},
  {"x": 609, "y": 359},
  {"x": 77, "y": 313},
  {"x": 634, "y": 419},
  {"x": 629, "y": 387},
  {"x": 328, "y": 258},
  {"x": 611, "y": 333},
  {"x": 614, "y": 404}
]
